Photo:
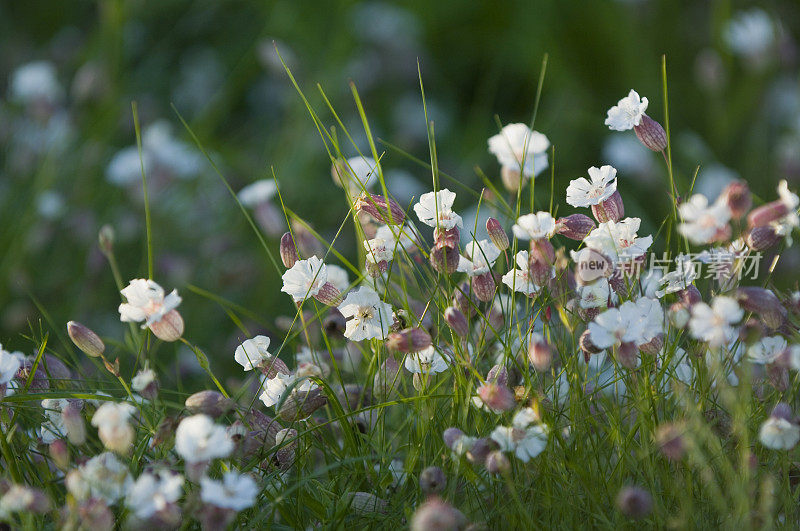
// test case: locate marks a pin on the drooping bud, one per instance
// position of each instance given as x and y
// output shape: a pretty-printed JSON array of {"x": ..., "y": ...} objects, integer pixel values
[
  {"x": 540, "y": 355},
  {"x": 762, "y": 238},
  {"x": 300, "y": 405},
  {"x": 766, "y": 214},
  {"x": 432, "y": 480},
  {"x": 457, "y": 321},
  {"x": 105, "y": 239},
  {"x": 628, "y": 355},
  {"x": 586, "y": 345},
  {"x": 165, "y": 432},
  {"x": 85, "y": 339},
  {"x": 634, "y": 502},
  {"x": 738, "y": 198},
  {"x": 612, "y": 209},
  {"x": 763, "y": 303},
  {"x": 386, "y": 378},
  {"x": 387, "y": 212},
  {"x": 575, "y": 226},
  {"x": 329, "y": 295},
  {"x": 211, "y": 403},
  {"x": 484, "y": 286},
  {"x": 445, "y": 259},
  {"x": 497, "y": 463},
  {"x": 270, "y": 368},
  {"x": 690, "y": 295},
  {"x": 409, "y": 340},
  {"x": 73, "y": 423},
  {"x": 480, "y": 449},
  {"x": 498, "y": 374},
  {"x": 651, "y": 134},
  {"x": 288, "y": 250},
  {"x": 59, "y": 453},
  {"x": 169, "y": 328},
  {"x": 496, "y": 234},
  {"x": 285, "y": 455}
]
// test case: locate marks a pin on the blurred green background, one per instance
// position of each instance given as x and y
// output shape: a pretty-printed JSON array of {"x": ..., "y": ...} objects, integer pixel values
[{"x": 734, "y": 110}]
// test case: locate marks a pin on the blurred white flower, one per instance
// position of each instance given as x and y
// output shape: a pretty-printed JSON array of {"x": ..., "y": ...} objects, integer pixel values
[
  {"x": 385, "y": 233},
  {"x": 199, "y": 439},
  {"x": 153, "y": 492},
  {"x": 253, "y": 353},
  {"x": 516, "y": 142},
  {"x": 480, "y": 257},
  {"x": 534, "y": 226},
  {"x": 779, "y": 434},
  {"x": 113, "y": 426},
  {"x": 750, "y": 33},
  {"x": 766, "y": 349},
  {"x": 146, "y": 302},
  {"x": 236, "y": 491},
  {"x": 143, "y": 379},
  {"x": 9, "y": 365},
  {"x": 368, "y": 316},
  {"x": 595, "y": 294},
  {"x": 379, "y": 250},
  {"x": 305, "y": 279},
  {"x": 584, "y": 193},
  {"x": 257, "y": 193},
  {"x": 435, "y": 209},
  {"x": 627, "y": 113},
  {"x": 276, "y": 387},
  {"x": 618, "y": 241},
  {"x": 526, "y": 443},
  {"x": 713, "y": 324},
  {"x": 680, "y": 278},
  {"x": 103, "y": 477},
  {"x": 616, "y": 326},
  {"x": 701, "y": 222},
  {"x": 427, "y": 361},
  {"x": 53, "y": 426},
  {"x": 35, "y": 82}
]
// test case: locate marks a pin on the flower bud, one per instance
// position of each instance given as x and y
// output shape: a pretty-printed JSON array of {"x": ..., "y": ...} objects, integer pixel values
[
  {"x": 270, "y": 368},
  {"x": 540, "y": 355},
  {"x": 575, "y": 226},
  {"x": 766, "y": 214},
  {"x": 484, "y": 286},
  {"x": 496, "y": 234},
  {"x": 445, "y": 259},
  {"x": 409, "y": 340},
  {"x": 457, "y": 321},
  {"x": 105, "y": 239},
  {"x": 651, "y": 134},
  {"x": 432, "y": 480},
  {"x": 541, "y": 258},
  {"x": 586, "y": 345},
  {"x": 738, "y": 198},
  {"x": 436, "y": 514},
  {"x": 329, "y": 295},
  {"x": 670, "y": 441},
  {"x": 496, "y": 397},
  {"x": 449, "y": 237},
  {"x": 286, "y": 454},
  {"x": 653, "y": 347},
  {"x": 377, "y": 206},
  {"x": 165, "y": 432},
  {"x": 288, "y": 250},
  {"x": 763, "y": 303},
  {"x": 386, "y": 378},
  {"x": 300, "y": 405},
  {"x": 634, "y": 502},
  {"x": 462, "y": 299},
  {"x": 211, "y": 403},
  {"x": 762, "y": 238},
  {"x": 498, "y": 374},
  {"x": 169, "y": 328},
  {"x": 59, "y": 453},
  {"x": 628, "y": 355},
  {"x": 690, "y": 295},
  {"x": 73, "y": 423},
  {"x": 612, "y": 209},
  {"x": 86, "y": 340},
  {"x": 497, "y": 463}
]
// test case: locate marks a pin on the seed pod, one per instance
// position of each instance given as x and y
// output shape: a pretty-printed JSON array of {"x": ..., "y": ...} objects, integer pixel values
[
  {"x": 432, "y": 480},
  {"x": 377, "y": 206},
  {"x": 271, "y": 367},
  {"x": 85, "y": 339},
  {"x": 457, "y": 321},
  {"x": 634, "y": 502},
  {"x": 73, "y": 423},
  {"x": 762, "y": 238},
  {"x": 211, "y": 403},
  {"x": 651, "y": 134},
  {"x": 300, "y": 405},
  {"x": 498, "y": 374},
  {"x": 612, "y": 209},
  {"x": 59, "y": 453},
  {"x": 386, "y": 378},
  {"x": 445, "y": 259},
  {"x": 408, "y": 340},
  {"x": 575, "y": 226},
  {"x": 288, "y": 250},
  {"x": 329, "y": 295},
  {"x": 766, "y": 214},
  {"x": 783, "y": 411},
  {"x": 496, "y": 234},
  {"x": 738, "y": 198},
  {"x": 169, "y": 328},
  {"x": 484, "y": 286}
]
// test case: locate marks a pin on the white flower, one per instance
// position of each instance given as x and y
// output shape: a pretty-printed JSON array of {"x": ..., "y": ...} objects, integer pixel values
[
  {"x": 436, "y": 209},
  {"x": 651, "y": 315},
  {"x": 526, "y": 443},
  {"x": 617, "y": 325},
  {"x": 482, "y": 256},
  {"x": 257, "y": 193},
  {"x": 143, "y": 379},
  {"x": 305, "y": 279},
  {"x": 618, "y": 240},
  {"x": 276, "y": 387},
  {"x": 337, "y": 276},
  {"x": 152, "y": 493},
  {"x": 504, "y": 437},
  {"x": 370, "y": 317},
  {"x": 524, "y": 417},
  {"x": 595, "y": 294},
  {"x": 112, "y": 423},
  {"x": 681, "y": 278},
  {"x": 102, "y": 476},
  {"x": 627, "y": 113},
  {"x": 700, "y": 221},
  {"x": 199, "y": 439},
  {"x": 35, "y": 81},
  {"x": 53, "y": 426},
  {"x": 712, "y": 324},
  {"x": 146, "y": 302},
  {"x": 750, "y": 34},
  {"x": 787, "y": 197},
  {"x": 583, "y": 193},
  {"x": 519, "y": 279},
  {"x": 534, "y": 226},
  {"x": 516, "y": 142},
  {"x": 766, "y": 349},
  {"x": 379, "y": 250},
  {"x": 779, "y": 434},
  {"x": 9, "y": 365},
  {"x": 235, "y": 491},
  {"x": 427, "y": 361},
  {"x": 253, "y": 353}
]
